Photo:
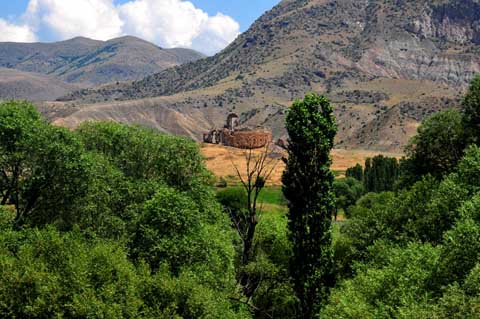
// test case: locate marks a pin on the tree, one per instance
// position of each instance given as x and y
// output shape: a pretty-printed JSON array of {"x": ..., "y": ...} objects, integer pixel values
[
  {"x": 380, "y": 174},
  {"x": 47, "y": 274},
  {"x": 437, "y": 147},
  {"x": 173, "y": 230},
  {"x": 388, "y": 286},
  {"x": 307, "y": 185},
  {"x": 19, "y": 124},
  {"x": 259, "y": 167},
  {"x": 355, "y": 172},
  {"x": 471, "y": 112},
  {"x": 142, "y": 154},
  {"x": 44, "y": 170},
  {"x": 347, "y": 192}
]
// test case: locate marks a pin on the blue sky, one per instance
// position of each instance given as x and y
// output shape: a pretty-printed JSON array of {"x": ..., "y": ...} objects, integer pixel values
[
  {"x": 207, "y": 26},
  {"x": 244, "y": 12}
]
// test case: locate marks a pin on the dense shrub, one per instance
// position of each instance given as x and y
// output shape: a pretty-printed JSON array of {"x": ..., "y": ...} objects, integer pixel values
[
  {"x": 347, "y": 192},
  {"x": 396, "y": 279},
  {"x": 143, "y": 154},
  {"x": 45, "y": 274},
  {"x": 437, "y": 147}
]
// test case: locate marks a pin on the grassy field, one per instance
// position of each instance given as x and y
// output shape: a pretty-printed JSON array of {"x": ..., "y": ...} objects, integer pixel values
[
  {"x": 221, "y": 161},
  {"x": 272, "y": 195},
  {"x": 272, "y": 201}
]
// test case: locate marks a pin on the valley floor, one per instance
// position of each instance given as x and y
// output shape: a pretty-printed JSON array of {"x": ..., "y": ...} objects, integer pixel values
[{"x": 221, "y": 161}]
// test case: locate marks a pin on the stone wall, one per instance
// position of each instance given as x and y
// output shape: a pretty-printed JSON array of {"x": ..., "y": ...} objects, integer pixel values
[{"x": 246, "y": 139}]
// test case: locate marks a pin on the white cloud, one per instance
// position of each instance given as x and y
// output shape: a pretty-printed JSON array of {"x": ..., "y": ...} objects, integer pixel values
[
  {"x": 167, "y": 23},
  {"x": 176, "y": 23},
  {"x": 15, "y": 33},
  {"x": 97, "y": 19},
  {"x": 216, "y": 33}
]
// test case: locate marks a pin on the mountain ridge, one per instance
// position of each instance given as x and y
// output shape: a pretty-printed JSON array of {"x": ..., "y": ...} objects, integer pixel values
[
  {"x": 92, "y": 62},
  {"x": 417, "y": 55}
]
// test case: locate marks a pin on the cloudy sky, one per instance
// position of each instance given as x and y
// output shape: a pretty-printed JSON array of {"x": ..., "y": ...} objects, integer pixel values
[{"x": 204, "y": 25}]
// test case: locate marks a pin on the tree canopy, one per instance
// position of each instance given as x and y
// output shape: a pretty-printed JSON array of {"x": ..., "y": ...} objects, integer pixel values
[{"x": 307, "y": 185}]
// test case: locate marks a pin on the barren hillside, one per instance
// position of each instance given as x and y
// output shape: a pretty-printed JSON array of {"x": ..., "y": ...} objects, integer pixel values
[
  {"x": 385, "y": 64},
  {"x": 90, "y": 62},
  {"x": 16, "y": 84}
]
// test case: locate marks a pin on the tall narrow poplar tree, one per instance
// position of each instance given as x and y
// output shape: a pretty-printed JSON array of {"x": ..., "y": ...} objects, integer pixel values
[{"x": 307, "y": 185}]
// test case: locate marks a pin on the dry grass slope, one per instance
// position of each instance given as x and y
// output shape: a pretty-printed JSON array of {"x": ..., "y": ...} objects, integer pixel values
[{"x": 222, "y": 160}]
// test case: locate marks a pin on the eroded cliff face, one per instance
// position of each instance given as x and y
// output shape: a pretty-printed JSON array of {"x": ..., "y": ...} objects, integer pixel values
[{"x": 432, "y": 40}]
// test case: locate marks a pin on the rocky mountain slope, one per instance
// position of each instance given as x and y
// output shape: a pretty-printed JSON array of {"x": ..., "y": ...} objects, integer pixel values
[
  {"x": 386, "y": 64},
  {"x": 88, "y": 63}
]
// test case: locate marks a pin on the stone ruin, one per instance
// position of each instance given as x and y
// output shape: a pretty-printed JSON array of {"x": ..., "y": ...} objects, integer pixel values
[{"x": 233, "y": 136}]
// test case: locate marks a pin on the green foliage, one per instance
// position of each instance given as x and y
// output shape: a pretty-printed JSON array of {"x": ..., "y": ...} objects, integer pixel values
[
  {"x": 355, "y": 172},
  {"x": 272, "y": 195},
  {"x": 7, "y": 215},
  {"x": 460, "y": 253},
  {"x": 143, "y": 154},
  {"x": 423, "y": 213},
  {"x": 234, "y": 200},
  {"x": 173, "y": 255},
  {"x": 380, "y": 174},
  {"x": 444, "y": 214},
  {"x": 274, "y": 295},
  {"x": 45, "y": 171},
  {"x": 222, "y": 183},
  {"x": 457, "y": 304},
  {"x": 307, "y": 185},
  {"x": 388, "y": 286},
  {"x": 457, "y": 188},
  {"x": 367, "y": 224},
  {"x": 437, "y": 147},
  {"x": 187, "y": 296},
  {"x": 415, "y": 254},
  {"x": 471, "y": 209},
  {"x": 173, "y": 230},
  {"x": 44, "y": 274},
  {"x": 471, "y": 112},
  {"x": 347, "y": 192},
  {"x": 116, "y": 221},
  {"x": 272, "y": 292}
]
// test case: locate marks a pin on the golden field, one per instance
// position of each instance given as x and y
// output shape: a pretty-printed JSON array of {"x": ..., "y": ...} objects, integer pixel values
[{"x": 221, "y": 161}]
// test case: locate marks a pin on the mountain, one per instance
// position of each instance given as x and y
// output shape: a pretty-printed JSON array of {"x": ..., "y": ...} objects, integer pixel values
[
  {"x": 89, "y": 62},
  {"x": 386, "y": 64},
  {"x": 16, "y": 84}
]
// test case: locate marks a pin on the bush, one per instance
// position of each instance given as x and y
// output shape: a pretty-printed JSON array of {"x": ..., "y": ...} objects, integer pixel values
[
  {"x": 396, "y": 280},
  {"x": 347, "y": 192},
  {"x": 44, "y": 274},
  {"x": 144, "y": 154},
  {"x": 172, "y": 230}
]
